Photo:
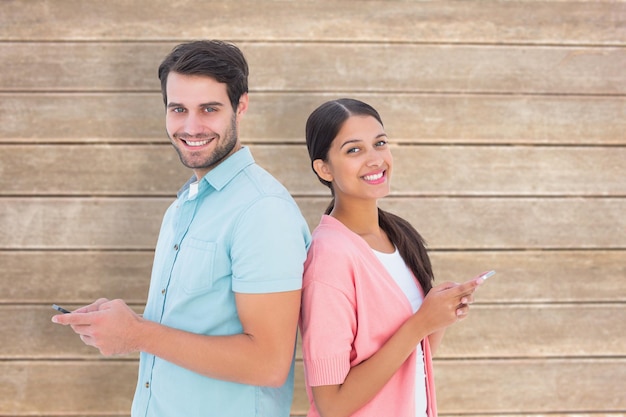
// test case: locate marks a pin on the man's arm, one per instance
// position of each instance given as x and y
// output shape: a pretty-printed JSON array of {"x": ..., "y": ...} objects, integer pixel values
[{"x": 261, "y": 355}]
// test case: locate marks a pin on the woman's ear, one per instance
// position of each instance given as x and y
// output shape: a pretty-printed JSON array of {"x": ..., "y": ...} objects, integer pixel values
[{"x": 321, "y": 169}]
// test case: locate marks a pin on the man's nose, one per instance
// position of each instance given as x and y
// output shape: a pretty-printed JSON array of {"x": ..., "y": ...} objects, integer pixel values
[{"x": 193, "y": 125}]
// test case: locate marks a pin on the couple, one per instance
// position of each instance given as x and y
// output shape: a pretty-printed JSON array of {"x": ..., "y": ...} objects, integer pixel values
[{"x": 227, "y": 292}]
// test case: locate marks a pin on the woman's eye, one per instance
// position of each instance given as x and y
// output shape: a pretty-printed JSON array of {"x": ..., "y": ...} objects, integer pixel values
[
  {"x": 352, "y": 150},
  {"x": 381, "y": 143}
]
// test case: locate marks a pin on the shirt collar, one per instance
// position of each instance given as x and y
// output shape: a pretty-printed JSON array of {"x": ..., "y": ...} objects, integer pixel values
[{"x": 222, "y": 174}]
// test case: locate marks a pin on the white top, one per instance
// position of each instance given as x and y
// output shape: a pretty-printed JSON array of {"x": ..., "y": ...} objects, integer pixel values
[
  {"x": 401, "y": 273},
  {"x": 193, "y": 189}
]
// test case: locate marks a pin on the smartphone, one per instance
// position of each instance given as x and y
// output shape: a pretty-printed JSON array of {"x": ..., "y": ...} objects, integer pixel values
[
  {"x": 486, "y": 275},
  {"x": 61, "y": 309}
]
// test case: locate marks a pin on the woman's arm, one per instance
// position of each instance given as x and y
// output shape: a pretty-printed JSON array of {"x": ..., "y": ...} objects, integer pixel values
[
  {"x": 441, "y": 308},
  {"x": 434, "y": 339}
]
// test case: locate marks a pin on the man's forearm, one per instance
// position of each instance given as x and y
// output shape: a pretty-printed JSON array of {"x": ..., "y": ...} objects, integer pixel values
[{"x": 237, "y": 358}]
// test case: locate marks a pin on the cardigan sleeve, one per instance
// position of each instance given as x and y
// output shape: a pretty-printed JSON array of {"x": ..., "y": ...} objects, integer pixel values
[{"x": 329, "y": 321}]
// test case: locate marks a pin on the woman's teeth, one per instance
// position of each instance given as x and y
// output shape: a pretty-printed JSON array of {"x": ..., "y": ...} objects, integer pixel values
[{"x": 373, "y": 177}]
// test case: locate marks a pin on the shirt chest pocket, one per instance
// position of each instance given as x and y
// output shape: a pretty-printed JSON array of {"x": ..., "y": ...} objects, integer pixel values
[{"x": 199, "y": 265}]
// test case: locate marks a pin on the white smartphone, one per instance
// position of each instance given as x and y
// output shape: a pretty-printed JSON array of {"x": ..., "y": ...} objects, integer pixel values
[{"x": 486, "y": 275}]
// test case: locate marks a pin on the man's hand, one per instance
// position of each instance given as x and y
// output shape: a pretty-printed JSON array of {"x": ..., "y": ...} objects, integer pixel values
[{"x": 106, "y": 325}]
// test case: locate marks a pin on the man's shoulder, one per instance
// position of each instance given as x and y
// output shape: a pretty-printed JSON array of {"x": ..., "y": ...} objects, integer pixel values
[{"x": 264, "y": 182}]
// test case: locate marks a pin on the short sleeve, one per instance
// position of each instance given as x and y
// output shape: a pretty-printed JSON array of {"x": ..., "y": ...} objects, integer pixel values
[
  {"x": 269, "y": 247},
  {"x": 328, "y": 321}
]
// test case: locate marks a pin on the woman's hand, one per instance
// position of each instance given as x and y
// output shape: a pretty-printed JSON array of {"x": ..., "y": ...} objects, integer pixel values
[{"x": 445, "y": 304}]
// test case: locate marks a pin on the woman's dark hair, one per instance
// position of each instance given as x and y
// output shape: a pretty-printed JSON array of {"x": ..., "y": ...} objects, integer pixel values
[
  {"x": 219, "y": 60},
  {"x": 322, "y": 127}
]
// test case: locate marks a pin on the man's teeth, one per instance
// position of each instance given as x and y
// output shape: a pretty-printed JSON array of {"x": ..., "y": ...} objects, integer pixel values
[
  {"x": 373, "y": 177},
  {"x": 197, "y": 143}
]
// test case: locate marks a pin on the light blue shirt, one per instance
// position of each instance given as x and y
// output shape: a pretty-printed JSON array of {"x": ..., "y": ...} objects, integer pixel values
[{"x": 235, "y": 230}]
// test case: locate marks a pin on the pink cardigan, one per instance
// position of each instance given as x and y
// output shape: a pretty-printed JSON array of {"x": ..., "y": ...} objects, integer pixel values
[{"x": 350, "y": 308}]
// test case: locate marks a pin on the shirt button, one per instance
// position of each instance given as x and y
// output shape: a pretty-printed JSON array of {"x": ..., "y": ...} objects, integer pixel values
[
  {"x": 163, "y": 291},
  {"x": 176, "y": 247},
  {"x": 147, "y": 384}
]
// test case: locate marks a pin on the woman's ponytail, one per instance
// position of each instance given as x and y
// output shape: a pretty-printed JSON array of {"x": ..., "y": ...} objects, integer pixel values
[{"x": 411, "y": 246}]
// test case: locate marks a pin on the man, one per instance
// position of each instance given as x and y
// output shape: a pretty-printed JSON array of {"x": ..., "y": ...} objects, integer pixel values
[{"x": 217, "y": 337}]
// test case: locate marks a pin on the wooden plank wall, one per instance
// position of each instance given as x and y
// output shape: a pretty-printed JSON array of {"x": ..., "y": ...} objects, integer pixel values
[{"x": 509, "y": 122}]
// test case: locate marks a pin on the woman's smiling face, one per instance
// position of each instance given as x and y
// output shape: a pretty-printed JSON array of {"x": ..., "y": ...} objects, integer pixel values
[{"x": 359, "y": 160}]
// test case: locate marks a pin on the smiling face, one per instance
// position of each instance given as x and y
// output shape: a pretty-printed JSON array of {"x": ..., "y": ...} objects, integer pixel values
[
  {"x": 200, "y": 121},
  {"x": 359, "y": 161}
]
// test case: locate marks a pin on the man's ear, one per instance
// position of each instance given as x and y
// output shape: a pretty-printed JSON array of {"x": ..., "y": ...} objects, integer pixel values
[
  {"x": 242, "y": 107},
  {"x": 321, "y": 169}
]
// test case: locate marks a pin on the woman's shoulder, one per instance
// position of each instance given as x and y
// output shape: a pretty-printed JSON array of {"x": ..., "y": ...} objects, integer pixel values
[
  {"x": 335, "y": 251},
  {"x": 332, "y": 235}
]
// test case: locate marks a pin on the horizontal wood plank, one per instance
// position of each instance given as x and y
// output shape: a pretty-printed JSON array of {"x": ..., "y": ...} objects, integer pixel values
[
  {"x": 452, "y": 170},
  {"x": 535, "y": 386},
  {"x": 74, "y": 278},
  {"x": 529, "y": 276},
  {"x": 115, "y": 224},
  {"x": 131, "y": 170},
  {"x": 446, "y": 223},
  {"x": 515, "y": 223},
  {"x": 33, "y": 336},
  {"x": 463, "y": 387},
  {"x": 79, "y": 66},
  {"x": 398, "y": 21},
  {"x": 539, "y": 331},
  {"x": 66, "y": 388},
  {"x": 79, "y": 277},
  {"x": 281, "y": 117}
]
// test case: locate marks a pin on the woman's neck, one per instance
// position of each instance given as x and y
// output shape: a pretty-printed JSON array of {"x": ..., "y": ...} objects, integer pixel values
[{"x": 363, "y": 220}]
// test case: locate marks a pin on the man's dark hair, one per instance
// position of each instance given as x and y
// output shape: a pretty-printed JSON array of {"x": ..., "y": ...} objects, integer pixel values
[{"x": 219, "y": 60}]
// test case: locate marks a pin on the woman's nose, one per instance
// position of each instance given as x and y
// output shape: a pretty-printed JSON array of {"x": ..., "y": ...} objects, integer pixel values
[{"x": 374, "y": 159}]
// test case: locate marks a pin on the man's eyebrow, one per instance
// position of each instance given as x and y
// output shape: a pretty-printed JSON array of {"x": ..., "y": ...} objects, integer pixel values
[
  {"x": 212, "y": 104},
  {"x": 209, "y": 104}
]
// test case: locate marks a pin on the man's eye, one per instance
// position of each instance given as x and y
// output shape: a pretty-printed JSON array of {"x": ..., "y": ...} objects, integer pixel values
[
  {"x": 178, "y": 110},
  {"x": 209, "y": 109}
]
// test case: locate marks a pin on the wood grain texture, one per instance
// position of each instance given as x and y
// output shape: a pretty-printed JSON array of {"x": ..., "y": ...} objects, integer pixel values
[
  {"x": 338, "y": 67},
  {"x": 530, "y": 276},
  {"x": 501, "y": 331},
  {"x": 527, "y": 22},
  {"x": 280, "y": 117},
  {"x": 523, "y": 277},
  {"x": 106, "y": 387},
  {"x": 66, "y": 388},
  {"x": 446, "y": 222},
  {"x": 507, "y": 120},
  {"x": 535, "y": 386},
  {"x": 74, "y": 277},
  {"x": 423, "y": 170},
  {"x": 520, "y": 223}
]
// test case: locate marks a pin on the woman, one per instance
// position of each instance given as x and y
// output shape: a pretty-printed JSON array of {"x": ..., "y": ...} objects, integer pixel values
[{"x": 370, "y": 315}]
